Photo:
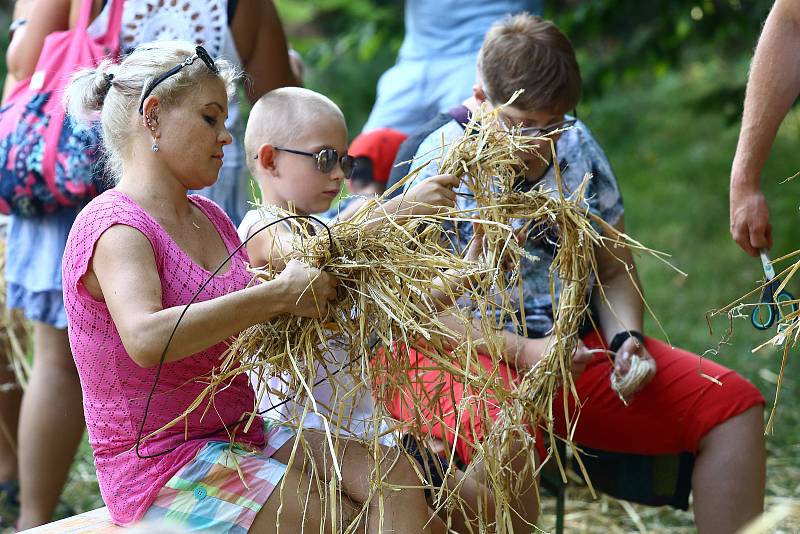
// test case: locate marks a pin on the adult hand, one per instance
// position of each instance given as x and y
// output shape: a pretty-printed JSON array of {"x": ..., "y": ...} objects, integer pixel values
[
  {"x": 622, "y": 361},
  {"x": 749, "y": 214},
  {"x": 431, "y": 195},
  {"x": 308, "y": 290}
]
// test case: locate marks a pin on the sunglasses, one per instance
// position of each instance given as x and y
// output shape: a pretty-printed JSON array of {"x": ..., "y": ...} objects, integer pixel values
[
  {"x": 199, "y": 53},
  {"x": 326, "y": 159},
  {"x": 543, "y": 131}
]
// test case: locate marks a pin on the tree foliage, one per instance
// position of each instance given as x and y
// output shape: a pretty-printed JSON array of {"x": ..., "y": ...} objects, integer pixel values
[
  {"x": 617, "y": 40},
  {"x": 347, "y": 44}
]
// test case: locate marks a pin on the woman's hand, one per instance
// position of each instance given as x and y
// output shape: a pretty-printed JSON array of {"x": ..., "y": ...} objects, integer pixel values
[{"x": 308, "y": 290}]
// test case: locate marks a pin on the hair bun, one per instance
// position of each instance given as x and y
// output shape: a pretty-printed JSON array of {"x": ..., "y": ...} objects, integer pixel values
[
  {"x": 88, "y": 90},
  {"x": 102, "y": 84}
]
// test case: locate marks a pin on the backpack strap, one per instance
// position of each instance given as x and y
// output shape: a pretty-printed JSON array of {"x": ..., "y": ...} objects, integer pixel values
[{"x": 461, "y": 114}]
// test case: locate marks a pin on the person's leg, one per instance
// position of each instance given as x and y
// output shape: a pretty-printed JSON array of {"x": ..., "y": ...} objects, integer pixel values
[
  {"x": 521, "y": 510},
  {"x": 681, "y": 410},
  {"x": 295, "y": 506},
  {"x": 10, "y": 401},
  {"x": 729, "y": 473},
  {"x": 52, "y": 407},
  {"x": 401, "y": 507},
  {"x": 433, "y": 403}
]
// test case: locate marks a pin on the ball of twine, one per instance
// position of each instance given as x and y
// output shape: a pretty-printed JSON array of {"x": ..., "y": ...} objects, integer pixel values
[{"x": 629, "y": 383}]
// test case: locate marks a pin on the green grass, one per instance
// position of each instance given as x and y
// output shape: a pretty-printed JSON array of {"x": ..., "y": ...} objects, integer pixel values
[{"x": 673, "y": 161}]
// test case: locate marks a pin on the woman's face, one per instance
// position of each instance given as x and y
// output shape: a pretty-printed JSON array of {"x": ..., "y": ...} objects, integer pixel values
[{"x": 192, "y": 134}]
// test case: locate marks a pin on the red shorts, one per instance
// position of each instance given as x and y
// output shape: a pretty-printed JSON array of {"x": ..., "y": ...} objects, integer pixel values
[{"x": 669, "y": 416}]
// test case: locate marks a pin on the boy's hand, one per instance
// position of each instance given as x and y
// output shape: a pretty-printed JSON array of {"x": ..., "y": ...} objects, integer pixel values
[
  {"x": 534, "y": 349},
  {"x": 308, "y": 290},
  {"x": 477, "y": 245},
  {"x": 580, "y": 360},
  {"x": 622, "y": 361},
  {"x": 431, "y": 195}
]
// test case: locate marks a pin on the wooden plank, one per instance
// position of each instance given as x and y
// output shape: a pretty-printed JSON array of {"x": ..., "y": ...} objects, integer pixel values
[{"x": 94, "y": 522}]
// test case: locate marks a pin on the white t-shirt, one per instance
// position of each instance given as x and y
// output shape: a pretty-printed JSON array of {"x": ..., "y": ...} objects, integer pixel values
[{"x": 345, "y": 402}]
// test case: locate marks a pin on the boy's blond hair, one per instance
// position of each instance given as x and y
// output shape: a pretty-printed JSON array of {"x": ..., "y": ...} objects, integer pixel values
[
  {"x": 280, "y": 115},
  {"x": 530, "y": 53}
]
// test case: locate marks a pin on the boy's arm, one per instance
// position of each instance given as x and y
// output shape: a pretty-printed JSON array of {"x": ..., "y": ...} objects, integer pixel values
[
  {"x": 619, "y": 302},
  {"x": 269, "y": 247},
  {"x": 427, "y": 197},
  {"x": 517, "y": 351}
]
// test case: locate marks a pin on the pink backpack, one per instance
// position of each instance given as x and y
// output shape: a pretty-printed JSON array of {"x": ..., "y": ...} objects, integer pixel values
[{"x": 47, "y": 160}]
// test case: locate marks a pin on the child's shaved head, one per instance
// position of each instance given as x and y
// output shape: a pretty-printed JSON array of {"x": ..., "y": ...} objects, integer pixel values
[{"x": 284, "y": 114}]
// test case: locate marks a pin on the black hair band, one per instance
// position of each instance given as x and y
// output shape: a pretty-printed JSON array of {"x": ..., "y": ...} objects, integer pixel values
[{"x": 622, "y": 337}]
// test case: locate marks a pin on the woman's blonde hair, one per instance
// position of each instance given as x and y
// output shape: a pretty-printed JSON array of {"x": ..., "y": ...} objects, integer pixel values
[{"x": 114, "y": 90}]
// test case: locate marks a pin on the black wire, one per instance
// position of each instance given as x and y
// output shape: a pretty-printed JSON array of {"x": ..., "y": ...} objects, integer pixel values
[{"x": 183, "y": 313}]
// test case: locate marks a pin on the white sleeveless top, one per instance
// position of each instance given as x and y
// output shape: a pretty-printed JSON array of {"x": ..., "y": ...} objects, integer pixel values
[{"x": 344, "y": 405}]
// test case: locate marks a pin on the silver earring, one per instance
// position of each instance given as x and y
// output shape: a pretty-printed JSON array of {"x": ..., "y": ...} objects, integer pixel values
[{"x": 154, "y": 148}]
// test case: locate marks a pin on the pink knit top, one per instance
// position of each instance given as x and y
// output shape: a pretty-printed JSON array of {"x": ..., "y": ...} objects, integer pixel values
[{"x": 115, "y": 389}]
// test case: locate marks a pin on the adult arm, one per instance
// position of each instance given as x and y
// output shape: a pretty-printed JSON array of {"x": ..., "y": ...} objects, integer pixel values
[
  {"x": 44, "y": 17},
  {"x": 772, "y": 87},
  {"x": 124, "y": 270},
  {"x": 261, "y": 43}
]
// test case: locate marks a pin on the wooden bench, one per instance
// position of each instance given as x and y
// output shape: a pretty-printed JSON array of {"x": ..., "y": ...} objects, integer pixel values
[{"x": 94, "y": 522}]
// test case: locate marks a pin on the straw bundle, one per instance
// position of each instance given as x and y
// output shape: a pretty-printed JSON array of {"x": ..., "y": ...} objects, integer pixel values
[{"x": 386, "y": 267}]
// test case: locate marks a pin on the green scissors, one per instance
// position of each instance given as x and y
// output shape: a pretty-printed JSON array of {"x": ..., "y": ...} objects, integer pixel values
[{"x": 768, "y": 310}]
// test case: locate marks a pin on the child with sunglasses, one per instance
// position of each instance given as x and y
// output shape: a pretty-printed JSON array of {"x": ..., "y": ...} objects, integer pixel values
[
  {"x": 677, "y": 417},
  {"x": 303, "y": 169}
]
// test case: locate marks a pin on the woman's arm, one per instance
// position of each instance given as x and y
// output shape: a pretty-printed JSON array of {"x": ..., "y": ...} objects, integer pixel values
[
  {"x": 44, "y": 17},
  {"x": 123, "y": 272},
  {"x": 261, "y": 43}
]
